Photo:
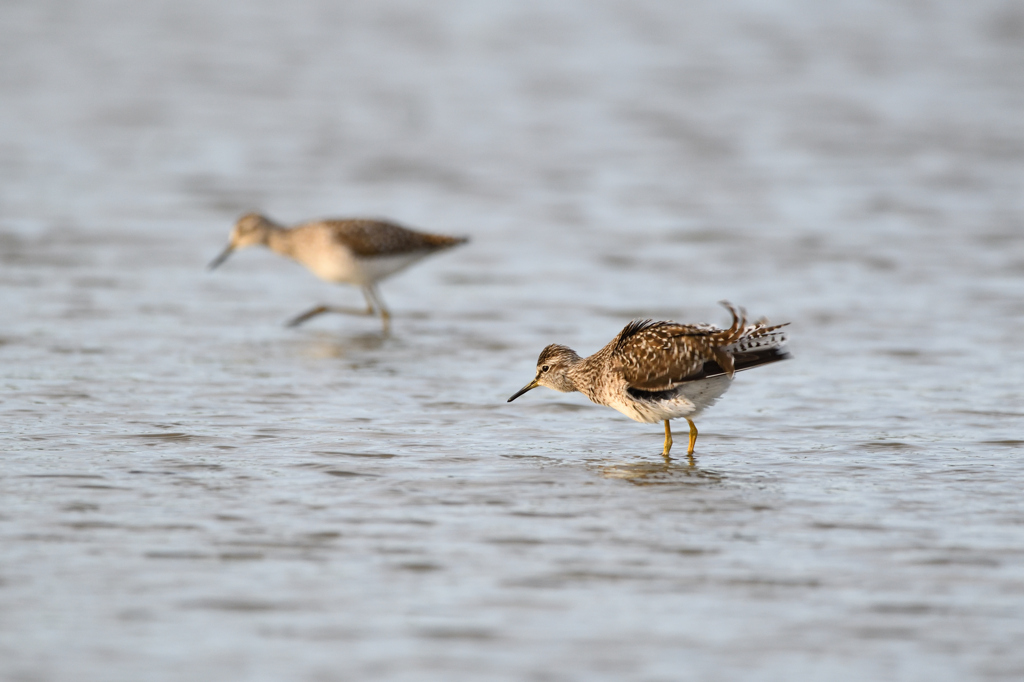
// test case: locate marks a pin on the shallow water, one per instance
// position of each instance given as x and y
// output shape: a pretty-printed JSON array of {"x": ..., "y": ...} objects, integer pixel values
[{"x": 191, "y": 491}]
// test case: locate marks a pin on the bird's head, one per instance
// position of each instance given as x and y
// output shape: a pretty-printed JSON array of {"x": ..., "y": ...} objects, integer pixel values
[
  {"x": 251, "y": 229},
  {"x": 553, "y": 367}
]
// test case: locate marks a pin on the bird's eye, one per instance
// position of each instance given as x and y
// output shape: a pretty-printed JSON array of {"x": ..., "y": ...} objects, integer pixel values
[{"x": 545, "y": 368}]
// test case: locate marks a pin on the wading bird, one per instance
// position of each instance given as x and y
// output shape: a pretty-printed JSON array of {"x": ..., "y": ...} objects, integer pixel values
[
  {"x": 353, "y": 251},
  {"x": 658, "y": 371}
]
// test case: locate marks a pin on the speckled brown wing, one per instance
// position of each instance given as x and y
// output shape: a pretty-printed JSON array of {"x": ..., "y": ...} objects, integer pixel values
[
  {"x": 368, "y": 238},
  {"x": 654, "y": 356}
]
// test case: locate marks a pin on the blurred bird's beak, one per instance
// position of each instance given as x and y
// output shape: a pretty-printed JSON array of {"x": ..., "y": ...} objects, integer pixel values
[
  {"x": 528, "y": 387},
  {"x": 221, "y": 258}
]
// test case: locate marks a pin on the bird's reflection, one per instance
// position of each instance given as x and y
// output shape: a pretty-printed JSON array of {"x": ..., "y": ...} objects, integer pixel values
[
  {"x": 667, "y": 471},
  {"x": 324, "y": 345}
]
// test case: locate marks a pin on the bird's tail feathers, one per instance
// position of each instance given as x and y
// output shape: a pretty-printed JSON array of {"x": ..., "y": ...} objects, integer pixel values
[
  {"x": 741, "y": 337},
  {"x": 757, "y": 338}
]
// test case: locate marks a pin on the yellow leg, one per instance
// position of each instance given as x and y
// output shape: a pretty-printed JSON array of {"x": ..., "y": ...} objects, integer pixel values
[
  {"x": 370, "y": 306},
  {"x": 668, "y": 439},
  {"x": 320, "y": 310},
  {"x": 373, "y": 301},
  {"x": 693, "y": 434}
]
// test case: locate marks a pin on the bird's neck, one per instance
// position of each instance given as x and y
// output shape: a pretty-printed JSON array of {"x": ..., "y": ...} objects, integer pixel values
[
  {"x": 278, "y": 239},
  {"x": 582, "y": 372}
]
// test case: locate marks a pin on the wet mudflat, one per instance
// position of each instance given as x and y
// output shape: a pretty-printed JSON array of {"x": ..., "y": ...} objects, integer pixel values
[{"x": 188, "y": 490}]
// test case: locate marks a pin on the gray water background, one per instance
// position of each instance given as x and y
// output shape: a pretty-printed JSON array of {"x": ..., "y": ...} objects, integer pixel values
[{"x": 188, "y": 490}]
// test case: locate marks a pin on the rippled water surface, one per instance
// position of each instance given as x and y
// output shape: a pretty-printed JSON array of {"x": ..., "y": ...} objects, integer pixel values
[{"x": 188, "y": 490}]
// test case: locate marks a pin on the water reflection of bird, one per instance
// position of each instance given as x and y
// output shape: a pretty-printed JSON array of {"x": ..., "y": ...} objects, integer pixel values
[
  {"x": 657, "y": 371},
  {"x": 662, "y": 473},
  {"x": 353, "y": 251}
]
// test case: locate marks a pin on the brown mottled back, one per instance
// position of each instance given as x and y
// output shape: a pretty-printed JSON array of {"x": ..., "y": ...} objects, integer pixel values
[
  {"x": 654, "y": 356},
  {"x": 368, "y": 238}
]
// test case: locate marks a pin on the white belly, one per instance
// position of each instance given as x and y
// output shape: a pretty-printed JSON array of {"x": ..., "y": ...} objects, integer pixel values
[
  {"x": 379, "y": 267},
  {"x": 338, "y": 265},
  {"x": 689, "y": 400}
]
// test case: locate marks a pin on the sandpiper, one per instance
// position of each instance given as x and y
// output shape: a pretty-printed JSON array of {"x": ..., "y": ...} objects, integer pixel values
[
  {"x": 355, "y": 251},
  {"x": 657, "y": 371}
]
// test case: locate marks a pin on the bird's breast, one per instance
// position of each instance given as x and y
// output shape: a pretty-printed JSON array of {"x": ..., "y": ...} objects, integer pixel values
[{"x": 331, "y": 262}]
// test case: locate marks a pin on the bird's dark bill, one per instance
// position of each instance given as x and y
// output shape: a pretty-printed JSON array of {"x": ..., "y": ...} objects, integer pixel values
[
  {"x": 221, "y": 258},
  {"x": 528, "y": 387}
]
